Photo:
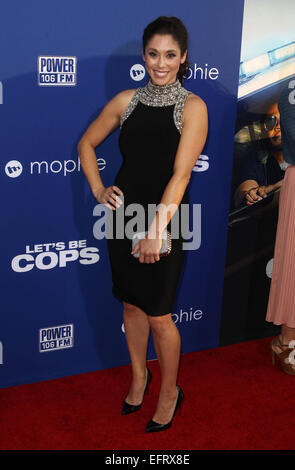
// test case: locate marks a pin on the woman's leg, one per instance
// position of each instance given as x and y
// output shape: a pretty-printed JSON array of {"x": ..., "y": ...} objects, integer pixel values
[
  {"x": 167, "y": 346},
  {"x": 137, "y": 331}
]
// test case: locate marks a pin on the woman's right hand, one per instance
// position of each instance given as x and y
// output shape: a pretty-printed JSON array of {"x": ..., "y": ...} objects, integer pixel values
[{"x": 108, "y": 196}]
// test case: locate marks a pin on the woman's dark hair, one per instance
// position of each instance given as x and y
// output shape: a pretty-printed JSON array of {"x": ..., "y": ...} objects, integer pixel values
[{"x": 175, "y": 27}]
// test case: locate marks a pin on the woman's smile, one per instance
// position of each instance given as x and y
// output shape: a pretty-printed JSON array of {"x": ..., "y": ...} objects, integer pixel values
[{"x": 160, "y": 74}]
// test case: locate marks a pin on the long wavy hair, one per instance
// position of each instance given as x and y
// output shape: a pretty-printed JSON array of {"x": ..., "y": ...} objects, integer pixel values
[{"x": 175, "y": 27}]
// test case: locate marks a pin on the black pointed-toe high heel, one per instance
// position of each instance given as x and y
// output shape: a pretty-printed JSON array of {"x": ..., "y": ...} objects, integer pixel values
[
  {"x": 152, "y": 426},
  {"x": 127, "y": 408}
]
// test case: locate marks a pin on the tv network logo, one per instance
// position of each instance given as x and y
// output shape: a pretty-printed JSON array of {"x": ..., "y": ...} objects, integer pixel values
[{"x": 57, "y": 71}]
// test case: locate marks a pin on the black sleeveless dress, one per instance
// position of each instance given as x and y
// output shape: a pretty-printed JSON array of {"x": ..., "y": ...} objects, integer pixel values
[{"x": 150, "y": 132}]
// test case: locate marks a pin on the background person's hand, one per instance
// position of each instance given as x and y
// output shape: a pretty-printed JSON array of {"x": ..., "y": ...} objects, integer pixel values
[
  {"x": 108, "y": 197},
  {"x": 255, "y": 194}
]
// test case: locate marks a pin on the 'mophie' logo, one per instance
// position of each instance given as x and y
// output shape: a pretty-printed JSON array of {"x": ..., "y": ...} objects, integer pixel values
[
  {"x": 57, "y": 71},
  {"x": 13, "y": 168},
  {"x": 137, "y": 72}
]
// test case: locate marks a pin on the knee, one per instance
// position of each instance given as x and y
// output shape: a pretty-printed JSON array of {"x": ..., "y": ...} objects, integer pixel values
[{"x": 160, "y": 325}]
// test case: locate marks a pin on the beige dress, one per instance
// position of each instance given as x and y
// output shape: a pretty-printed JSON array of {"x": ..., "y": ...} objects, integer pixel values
[{"x": 281, "y": 303}]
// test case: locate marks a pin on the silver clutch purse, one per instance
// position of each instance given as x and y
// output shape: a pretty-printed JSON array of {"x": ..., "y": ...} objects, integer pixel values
[{"x": 166, "y": 243}]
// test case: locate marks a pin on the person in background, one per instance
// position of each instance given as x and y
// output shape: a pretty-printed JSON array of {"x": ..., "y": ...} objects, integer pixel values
[
  {"x": 281, "y": 303},
  {"x": 258, "y": 178}
]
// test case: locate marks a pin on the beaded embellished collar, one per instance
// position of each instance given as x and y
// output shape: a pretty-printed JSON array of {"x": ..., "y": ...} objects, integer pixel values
[{"x": 159, "y": 95}]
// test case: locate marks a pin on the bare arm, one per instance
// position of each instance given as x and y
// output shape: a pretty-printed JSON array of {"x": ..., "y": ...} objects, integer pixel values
[
  {"x": 192, "y": 141},
  {"x": 107, "y": 121},
  {"x": 251, "y": 192}
]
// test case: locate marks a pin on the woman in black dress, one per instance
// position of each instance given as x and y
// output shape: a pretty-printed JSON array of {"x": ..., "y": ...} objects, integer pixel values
[{"x": 163, "y": 131}]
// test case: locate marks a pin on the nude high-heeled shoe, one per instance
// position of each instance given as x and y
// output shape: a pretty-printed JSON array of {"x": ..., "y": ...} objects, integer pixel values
[{"x": 283, "y": 356}]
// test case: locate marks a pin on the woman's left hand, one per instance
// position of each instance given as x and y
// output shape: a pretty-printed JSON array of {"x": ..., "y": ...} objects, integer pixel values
[{"x": 149, "y": 249}]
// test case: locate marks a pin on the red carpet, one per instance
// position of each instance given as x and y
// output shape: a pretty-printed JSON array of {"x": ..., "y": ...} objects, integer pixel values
[{"x": 234, "y": 399}]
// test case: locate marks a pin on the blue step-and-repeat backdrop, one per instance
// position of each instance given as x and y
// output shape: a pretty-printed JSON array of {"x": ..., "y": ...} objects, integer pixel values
[{"x": 58, "y": 314}]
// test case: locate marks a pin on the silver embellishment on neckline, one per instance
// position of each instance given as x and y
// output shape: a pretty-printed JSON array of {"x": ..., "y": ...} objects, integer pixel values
[{"x": 157, "y": 95}]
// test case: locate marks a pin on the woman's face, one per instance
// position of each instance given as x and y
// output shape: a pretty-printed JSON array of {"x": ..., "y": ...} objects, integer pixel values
[{"x": 162, "y": 58}]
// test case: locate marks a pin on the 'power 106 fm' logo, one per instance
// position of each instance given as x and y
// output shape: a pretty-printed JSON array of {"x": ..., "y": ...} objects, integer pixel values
[
  {"x": 51, "y": 255},
  {"x": 57, "y": 71},
  {"x": 56, "y": 337}
]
